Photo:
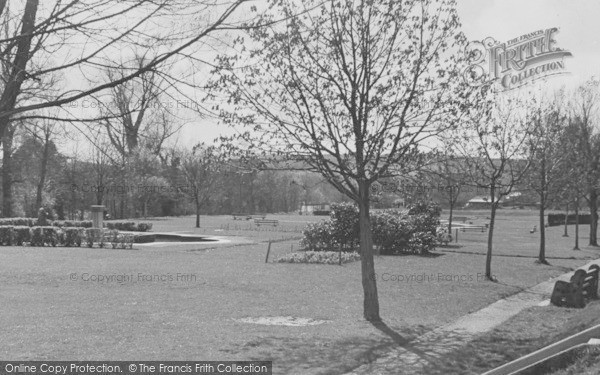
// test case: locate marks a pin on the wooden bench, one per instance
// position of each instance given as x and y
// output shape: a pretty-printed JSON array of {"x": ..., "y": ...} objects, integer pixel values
[
  {"x": 583, "y": 285},
  {"x": 473, "y": 228},
  {"x": 248, "y": 216},
  {"x": 260, "y": 222}
]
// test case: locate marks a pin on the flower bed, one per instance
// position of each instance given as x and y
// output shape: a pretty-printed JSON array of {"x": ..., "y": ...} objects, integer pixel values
[{"x": 318, "y": 257}]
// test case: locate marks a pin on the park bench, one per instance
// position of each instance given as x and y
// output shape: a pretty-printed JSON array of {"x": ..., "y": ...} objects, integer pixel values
[
  {"x": 473, "y": 228},
  {"x": 583, "y": 285},
  {"x": 248, "y": 216},
  {"x": 260, "y": 222}
]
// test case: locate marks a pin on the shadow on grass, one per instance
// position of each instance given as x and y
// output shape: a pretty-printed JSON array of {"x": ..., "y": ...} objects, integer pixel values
[{"x": 318, "y": 355}]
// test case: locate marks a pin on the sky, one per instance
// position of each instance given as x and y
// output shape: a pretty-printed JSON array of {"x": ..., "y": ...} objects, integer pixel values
[{"x": 579, "y": 32}]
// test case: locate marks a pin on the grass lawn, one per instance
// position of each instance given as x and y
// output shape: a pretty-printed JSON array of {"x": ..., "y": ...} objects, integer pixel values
[
  {"x": 185, "y": 302},
  {"x": 530, "y": 330}
]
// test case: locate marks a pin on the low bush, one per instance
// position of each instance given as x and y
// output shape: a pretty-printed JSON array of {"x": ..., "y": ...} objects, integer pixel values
[
  {"x": 21, "y": 235},
  {"x": 128, "y": 226},
  {"x": 37, "y": 236},
  {"x": 393, "y": 232},
  {"x": 144, "y": 227},
  {"x": 318, "y": 257},
  {"x": 18, "y": 221},
  {"x": 93, "y": 235},
  {"x": 72, "y": 236},
  {"x": 72, "y": 224},
  {"x": 318, "y": 236},
  {"x": 49, "y": 235},
  {"x": 6, "y": 235}
]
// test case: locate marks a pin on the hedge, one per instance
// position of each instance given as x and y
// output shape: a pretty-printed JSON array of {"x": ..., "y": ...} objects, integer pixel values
[
  {"x": 128, "y": 226},
  {"x": 559, "y": 219},
  {"x": 67, "y": 236}
]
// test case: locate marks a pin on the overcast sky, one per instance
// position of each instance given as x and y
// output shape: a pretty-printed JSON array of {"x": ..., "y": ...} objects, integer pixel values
[{"x": 577, "y": 20}]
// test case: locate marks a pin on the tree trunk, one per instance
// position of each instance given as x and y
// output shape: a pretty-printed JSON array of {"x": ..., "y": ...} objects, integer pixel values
[
  {"x": 542, "y": 255},
  {"x": 450, "y": 218},
  {"x": 197, "y": 213},
  {"x": 577, "y": 222},
  {"x": 488, "y": 257},
  {"x": 371, "y": 300},
  {"x": 594, "y": 217},
  {"x": 42, "y": 181},
  {"x": 543, "y": 196},
  {"x": 7, "y": 179},
  {"x": 566, "y": 234}
]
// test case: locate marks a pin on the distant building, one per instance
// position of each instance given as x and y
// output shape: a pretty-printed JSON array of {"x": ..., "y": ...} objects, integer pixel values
[
  {"x": 315, "y": 209},
  {"x": 478, "y": 203}
]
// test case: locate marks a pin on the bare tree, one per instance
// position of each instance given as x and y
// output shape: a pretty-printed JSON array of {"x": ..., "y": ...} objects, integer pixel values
[
  {"x": 584, "y": 123},
  {"x": 350, "y": 88},
  {"x": 547, "y": 169},
  {"x": 495, "y": 144},
  {"x": 201, "y": 169}
]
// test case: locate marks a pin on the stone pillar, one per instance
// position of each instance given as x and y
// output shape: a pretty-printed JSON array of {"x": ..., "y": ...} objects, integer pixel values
[{"x": 97, "y": 216}]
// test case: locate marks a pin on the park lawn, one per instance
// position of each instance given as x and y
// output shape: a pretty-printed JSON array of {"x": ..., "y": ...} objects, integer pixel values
[
  {"x": 195, "y": 318},
  {"x": 526, "y": 332}
]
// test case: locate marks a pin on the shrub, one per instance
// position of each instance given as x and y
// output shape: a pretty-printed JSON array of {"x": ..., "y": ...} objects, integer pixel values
[
  {"x": 421, "y": 243},
  {"x": 37, "y": 236},
  {"x": 21, "y": 234},
  {"x": 73, "y": 224},
  {"x": 392, "y": 231},
  {"x": 49, "y": 235},
  {"x": 72, "y": 236},
  {"x": 18, "y": 221},
  {"x": 128, "y": 226},
  {"x": 144, "y": 227},
  {"x": 320, "y": 257},
  {"x": 93, "y": 235},
  {"x": 6, "y": 235},
  {"x": 318, "y": 236}
]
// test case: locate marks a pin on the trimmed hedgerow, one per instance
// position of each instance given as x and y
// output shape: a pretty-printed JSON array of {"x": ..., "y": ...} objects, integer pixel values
[
  {"x": 72, "y": 236},
  {"x": 319, "y": 257},
  {"x": 93, "y": 235},
  {"x": 18, "y": 221},
  {"x": 72, "y": 223},
  {"x": 6, "y": 235},
  {"x": 21, "y": 235},
  {"x": 144, "y": 227}
]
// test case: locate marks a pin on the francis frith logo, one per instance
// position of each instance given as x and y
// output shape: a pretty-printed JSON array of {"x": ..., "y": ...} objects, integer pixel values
[{"x": 517, "y": 62}]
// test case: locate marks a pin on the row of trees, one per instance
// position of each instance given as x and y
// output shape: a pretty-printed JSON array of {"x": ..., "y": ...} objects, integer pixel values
[{"x": 179, "y": 182}]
